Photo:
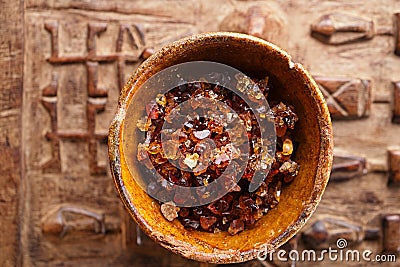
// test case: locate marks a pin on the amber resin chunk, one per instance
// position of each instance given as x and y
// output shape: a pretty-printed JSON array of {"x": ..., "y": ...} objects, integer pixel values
[{"x": 199, "y": 152}]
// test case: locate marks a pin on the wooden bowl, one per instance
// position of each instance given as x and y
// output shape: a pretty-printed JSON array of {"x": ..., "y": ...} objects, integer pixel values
[{"x": 256, "y": 58}]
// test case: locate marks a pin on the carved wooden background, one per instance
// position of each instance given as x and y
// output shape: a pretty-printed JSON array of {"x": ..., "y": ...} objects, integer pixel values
[{"x": 63, "y": 63}]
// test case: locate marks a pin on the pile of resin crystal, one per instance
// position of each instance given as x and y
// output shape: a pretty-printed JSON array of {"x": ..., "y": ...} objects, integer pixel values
[{"x": 205, "y": 138}]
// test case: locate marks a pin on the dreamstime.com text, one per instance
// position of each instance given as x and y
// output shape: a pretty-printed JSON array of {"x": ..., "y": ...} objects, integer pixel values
[{"x": 340, "y": 253}]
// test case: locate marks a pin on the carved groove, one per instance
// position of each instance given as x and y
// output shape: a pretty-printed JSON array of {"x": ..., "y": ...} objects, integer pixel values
[
  {"x": 347, "y": 98},
  {"x": 396, "y": 102},
  {"x": 391, "y": 233},
  {"x": 56, "y": 222},
  {"x": 397, "y": 33},
  {"x": 347, "y": 167},
  {"x": 339, "y": 29},
  {"x": 394, "y": 167},
  {"x": 97, "y": 97}
]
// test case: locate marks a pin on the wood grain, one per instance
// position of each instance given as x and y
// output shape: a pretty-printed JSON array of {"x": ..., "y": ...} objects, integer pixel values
[
  {"x": 72, "y": 57},
  {"x": 397, "y": 33},
  {"x": 11, "y": 66},
  {"x": 396, "y": 102},
  {"x": 347, "y": 98},
  {"x": 391, "y": 233},
  {"x": 394, "y": 167}
]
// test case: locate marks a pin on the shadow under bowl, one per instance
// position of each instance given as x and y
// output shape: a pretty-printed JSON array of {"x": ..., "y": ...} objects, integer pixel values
[{"x": 256, "y": 58}]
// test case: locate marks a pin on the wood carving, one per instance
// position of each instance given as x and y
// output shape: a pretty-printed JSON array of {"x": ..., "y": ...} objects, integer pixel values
[
  {"x": 347, "y": 167},
  {"x": 339, "y": 29},
  {"x": 397, "y": 33},
  {"x": 65, "y": 60},
  {"x": 347, "y": 98},
  {"x": 391, "y": 233},
  {"x": 97, "y": 97},
  {"x": 265, "y": 21},
  {"x": 327, "y": 231},
  {"x": 136, "y": 37},
  {"x": 56, "y": 222},
  {"x": 396, "y": 102},
  {"x": 394, "y": 167}
]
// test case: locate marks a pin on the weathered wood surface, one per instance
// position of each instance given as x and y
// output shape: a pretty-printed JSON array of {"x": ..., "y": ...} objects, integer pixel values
[
  {"x": 396, "y": 102},
  {"x": 347, "y": 98},
  {"x": 11, "y": 66},
  {"x": 78, "y": 54}
]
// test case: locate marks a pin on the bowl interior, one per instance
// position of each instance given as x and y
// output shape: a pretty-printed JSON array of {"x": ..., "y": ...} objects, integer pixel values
[{"x": 256, "y": 58}]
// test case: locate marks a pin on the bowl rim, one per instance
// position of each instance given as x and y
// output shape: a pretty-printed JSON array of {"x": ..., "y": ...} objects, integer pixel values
[{"x": 324, "y": 166}]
